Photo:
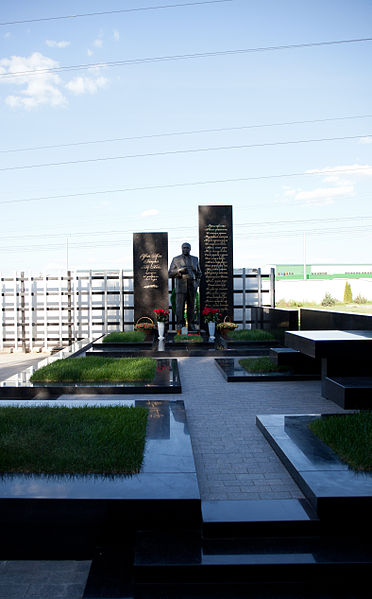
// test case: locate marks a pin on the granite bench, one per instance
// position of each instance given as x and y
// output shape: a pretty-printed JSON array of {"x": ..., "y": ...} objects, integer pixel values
[
  {"x": 296, "y": 360},
  {"x": 350, "y": 392}
]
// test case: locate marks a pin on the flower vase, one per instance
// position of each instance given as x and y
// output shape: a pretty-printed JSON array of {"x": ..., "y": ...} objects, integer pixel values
[
  {"x": 161, "y": 327},
  {"x": 211, "y": 330}
]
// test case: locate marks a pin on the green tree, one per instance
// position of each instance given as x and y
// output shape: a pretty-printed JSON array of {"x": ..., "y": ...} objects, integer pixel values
[{"x": 348, "y": 296}]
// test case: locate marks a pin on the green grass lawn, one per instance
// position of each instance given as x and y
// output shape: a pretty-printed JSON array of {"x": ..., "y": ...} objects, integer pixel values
[
  {"x": 60, "y": 440},
  {"x": 350, "y": 436},
  {"x": 250, "y": 335},
  {"x": 188, "y": 338},
  {"x": 125, "y": 337},
  {"x": 338, "y": 307},
  {"x": 261, "y": 365},
  {"x": 96, "y": 370}
]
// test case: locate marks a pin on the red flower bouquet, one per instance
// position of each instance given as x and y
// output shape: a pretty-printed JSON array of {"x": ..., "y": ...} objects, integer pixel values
[
  {"x": 162, "y": 315},
  {"x": 211, "y": 314}
]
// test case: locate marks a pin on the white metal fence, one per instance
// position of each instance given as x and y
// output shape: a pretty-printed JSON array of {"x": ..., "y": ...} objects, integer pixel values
[{"x": 43, "y": 311}]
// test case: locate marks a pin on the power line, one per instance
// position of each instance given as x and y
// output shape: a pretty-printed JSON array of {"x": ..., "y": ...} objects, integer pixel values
[
  {"x": 173, "y": 57},
  {"x": 188, "y": 184},
  {"x": 121, "y": 242},
  {"x": 328, "y": 231},
  {"x": 111, "y": 12},
  {"x": 184, "y": 228},
  {"x": 187, "y": 151},
  {"x": 190, "y": 132}
]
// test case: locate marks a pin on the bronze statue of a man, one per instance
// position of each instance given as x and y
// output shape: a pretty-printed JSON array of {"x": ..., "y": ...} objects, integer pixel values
[{"x": 185, "y": 271}]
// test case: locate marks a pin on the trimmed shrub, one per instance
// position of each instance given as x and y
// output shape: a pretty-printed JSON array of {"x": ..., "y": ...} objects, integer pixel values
[
  {"x": 348, "y": 296},
  {"x": 328, "y": 300},
  {"x": 359, "y": 299}
]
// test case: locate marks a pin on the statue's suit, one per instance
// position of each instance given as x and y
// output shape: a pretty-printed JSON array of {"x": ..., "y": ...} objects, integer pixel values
[{"x": 185, "y": 286}]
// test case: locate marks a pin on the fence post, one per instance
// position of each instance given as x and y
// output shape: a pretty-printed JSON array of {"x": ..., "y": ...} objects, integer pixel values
[
  {"x": 90, "y": 311},
  {"x": 45, "y": 296},
  {"x": 60, "y": 308},
  {"x": 259, "y": 287},
  {"x": 2, "y": 314},
  {"x": 244, "y": 315},
  {"x": 105, "y": 303},
  {"x": 78, "y": 308},
  {"x": 272, "y": 287},
  {"x": 30, "y": 311},
  {"x": 23, "y": 315},
  {"x": 15, "y": 311},
  {"x": 121, "y": 299},
  {"x": 69, "y": 307}
]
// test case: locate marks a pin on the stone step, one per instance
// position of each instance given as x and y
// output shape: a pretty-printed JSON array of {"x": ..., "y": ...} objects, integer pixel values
[
  {"x": 260, "y": 518},
  {"x": 293, "y": 358},
  {"x": 350, "y": 392},
  {"x": 263, "y": 590},
  {"x": 178, "y": 556}
]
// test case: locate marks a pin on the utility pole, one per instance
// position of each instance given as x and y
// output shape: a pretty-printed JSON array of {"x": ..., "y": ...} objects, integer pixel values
[{"x": 304, "y": 256}]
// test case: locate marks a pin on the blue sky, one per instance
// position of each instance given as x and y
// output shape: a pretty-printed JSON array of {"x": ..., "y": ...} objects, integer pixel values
[{"x": 280, "y": 189}]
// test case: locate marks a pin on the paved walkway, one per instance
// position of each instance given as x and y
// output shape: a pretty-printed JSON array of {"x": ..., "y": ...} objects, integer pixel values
[{"x": 233, "y": 460}]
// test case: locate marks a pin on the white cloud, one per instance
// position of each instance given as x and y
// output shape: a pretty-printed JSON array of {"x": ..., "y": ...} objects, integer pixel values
[
  {"x": 116, "y": 35},
  {"x": 340, "y": 182},
  {"x": 7, "y": 35},
  {"x": 54, "y": 44},
  {"x": 90, "y": 52},
  {"x": 86, "y": 85},
  {"x": 365, "y": 140},
  {"x": 39, "y": 88},
  {"x": 152, "y": 212},
  {"x": 323, "y": 195},
  {"x": 348, "y": 169},
  {"x": 98, "y": 43}
]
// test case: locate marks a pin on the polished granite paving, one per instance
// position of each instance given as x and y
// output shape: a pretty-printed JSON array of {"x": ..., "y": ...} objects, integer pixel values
[
  {"x": 234, "y": 372},
  {"x": 233, "y": 460},
  {"x": 19, "y": 385},
  {"x": 329, "y": 484}
]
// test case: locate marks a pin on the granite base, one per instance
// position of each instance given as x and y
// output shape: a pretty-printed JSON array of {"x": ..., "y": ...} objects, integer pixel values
[
  {"x": 337, "y": 492},
  {"x": 68, "y": 516}
]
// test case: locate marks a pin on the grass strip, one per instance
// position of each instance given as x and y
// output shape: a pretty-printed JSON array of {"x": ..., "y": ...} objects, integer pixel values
[
  {"x": 61, "y": 440},
  {"x": 188, "y": 338},
  {"x": 125, "y": 337},
  {"x": 96, "y": 370},
  {"x": 350, "y": 436},
  {"x": 259, "y": 365},
  {"x": 250, "y": 335}
]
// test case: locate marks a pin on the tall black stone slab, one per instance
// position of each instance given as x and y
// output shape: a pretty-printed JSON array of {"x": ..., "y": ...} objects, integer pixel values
[
  {"x": 150, "y": 272},
  {"x": 216, "y": 258}
]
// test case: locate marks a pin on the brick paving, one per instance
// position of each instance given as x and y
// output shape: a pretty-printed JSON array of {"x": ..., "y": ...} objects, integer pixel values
[
  {"x": 43, "y": 579},
  {"x": 233, "y": 459}
]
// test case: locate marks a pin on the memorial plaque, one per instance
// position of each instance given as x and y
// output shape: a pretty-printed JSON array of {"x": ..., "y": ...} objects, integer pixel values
[
  {"x": 216, "y": 258},
  {"x": 150, "y": 272}
]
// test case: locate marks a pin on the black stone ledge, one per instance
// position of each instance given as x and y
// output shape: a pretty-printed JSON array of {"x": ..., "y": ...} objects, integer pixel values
[
  {"x": 247, "y": 518},
  {"x": 233, "y": 372},
  {"x": 122, "y": 346},
  {"x": 338, "y": 493},
  {"x": 173, "y": 351},
  {"x": 67, "y": 517},
  {"x": 230, "y": 344},
  {"x": 331, "y": 343},
  {"x": 20, "y": 387},
  {"x": 349, "y": 392}
]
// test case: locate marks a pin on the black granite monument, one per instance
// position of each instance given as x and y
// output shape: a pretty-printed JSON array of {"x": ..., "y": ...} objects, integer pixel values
[
  {"x": 216, "y": 258},
  {"x": 150, "y": 271}
]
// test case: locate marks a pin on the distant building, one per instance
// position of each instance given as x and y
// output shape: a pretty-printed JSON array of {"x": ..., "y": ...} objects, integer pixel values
[{"x": 288, "y": 272}]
